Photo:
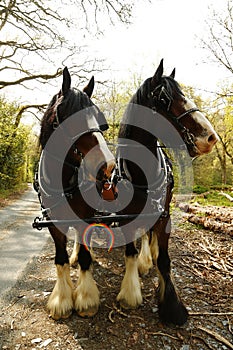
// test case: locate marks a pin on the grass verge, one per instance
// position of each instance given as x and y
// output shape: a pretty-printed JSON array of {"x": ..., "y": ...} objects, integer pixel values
[{"x": 7, "y": 196}]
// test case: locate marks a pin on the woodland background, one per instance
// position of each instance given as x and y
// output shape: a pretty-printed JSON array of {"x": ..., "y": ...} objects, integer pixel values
[{"x": 35, "y": 29}]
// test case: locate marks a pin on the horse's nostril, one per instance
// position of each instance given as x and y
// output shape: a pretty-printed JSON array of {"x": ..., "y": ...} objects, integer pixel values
[{"x": 212, "y": 138}]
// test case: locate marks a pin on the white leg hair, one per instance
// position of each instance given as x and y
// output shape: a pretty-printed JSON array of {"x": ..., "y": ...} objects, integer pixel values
[
  {"x": 130, "y": 295},
  {"x": 154, "y": 248},
  {"x": 144, "y": 259},
  {"x": 74, "y": 255},
  {"x": 155, "y": 253},
  {"x": 76, "y": 247},
  {"x": 60, "y": 302},
  {"x": 86, "y": 295}
]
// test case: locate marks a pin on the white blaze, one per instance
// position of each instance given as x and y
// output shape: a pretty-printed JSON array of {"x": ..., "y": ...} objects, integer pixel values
[{"x": 208, "y": 136}]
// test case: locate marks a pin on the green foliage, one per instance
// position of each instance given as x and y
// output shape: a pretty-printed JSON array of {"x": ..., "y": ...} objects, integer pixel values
[
  {"x": 190, "y": 93},
  {"x": 200, "y": 189},
  {"x": 213, "y": 198},
  {"x": 13, "y": 193},
  {"x": 15, "y": 143},
  {"x": 222, "y": 119},
  {"x": 113, "y": 102},
  {"x": 215, "y": 168}
]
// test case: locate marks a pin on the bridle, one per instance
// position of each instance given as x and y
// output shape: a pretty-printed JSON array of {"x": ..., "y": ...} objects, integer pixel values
[
  {"x": 91, "y": 125},
  {"x": 71, "y": 128},
  {"x": 163, "y": 99}
]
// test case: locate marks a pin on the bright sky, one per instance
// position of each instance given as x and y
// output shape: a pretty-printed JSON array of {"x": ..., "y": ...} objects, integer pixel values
[{"x": 166, "y": 29}]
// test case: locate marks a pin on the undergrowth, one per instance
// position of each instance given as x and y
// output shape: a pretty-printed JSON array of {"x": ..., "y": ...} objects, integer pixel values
[{"x": 9, "y": 195}]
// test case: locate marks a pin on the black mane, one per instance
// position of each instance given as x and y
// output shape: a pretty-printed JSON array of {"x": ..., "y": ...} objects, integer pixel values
[
  {"x": 143, "y": 97},
  {"x": 144, "y": 91}
]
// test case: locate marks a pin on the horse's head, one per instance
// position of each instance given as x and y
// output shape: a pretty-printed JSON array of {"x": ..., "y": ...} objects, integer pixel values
[
  {"x": 80, "y": 123},
  {"x": 167, "y": 98}
]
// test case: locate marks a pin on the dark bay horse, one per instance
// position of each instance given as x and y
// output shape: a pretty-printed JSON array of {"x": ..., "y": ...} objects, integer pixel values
[
  {"x": 158, "y": 100},
  {"x": 143, "y": 165},
  {"x": 71, "y": 135}
]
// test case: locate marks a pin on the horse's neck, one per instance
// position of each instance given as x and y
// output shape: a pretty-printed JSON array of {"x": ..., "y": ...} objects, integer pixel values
[
  {"x": 142, "y": 163},
  {"x": 56, "y": 173},
  {"x": 137, "y": 129}
]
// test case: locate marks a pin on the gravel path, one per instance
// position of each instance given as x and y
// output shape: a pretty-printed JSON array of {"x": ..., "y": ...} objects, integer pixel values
[
  {"x": 19, "y": 243},
  {"x": 202, "y": 269}
]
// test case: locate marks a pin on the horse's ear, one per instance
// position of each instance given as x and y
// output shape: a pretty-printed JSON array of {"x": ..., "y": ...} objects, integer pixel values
[
  {"x": 158, "y": 75},
  {"x": 90, "y": 87},
  {"x": 66, "y": 81},
  {"x": 173, "y": 73}
]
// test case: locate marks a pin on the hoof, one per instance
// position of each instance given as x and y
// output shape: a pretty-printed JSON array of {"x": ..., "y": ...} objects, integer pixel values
[
  {"x": 86, "y": 296},
  {"x": 176, "y": 314},
  {"x": 60, "y": 302},
  {"x": 130, "y": 296},
  {"x": 59, "y": 310},
  {"x": 92, "y": 311},
  {"x": 127, "y": 304},
  {"x": 57, "y": 317}
]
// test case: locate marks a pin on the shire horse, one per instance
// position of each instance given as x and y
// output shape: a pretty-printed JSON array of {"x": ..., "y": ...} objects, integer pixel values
[
  {"x": 71, "y": 128},
  {"x": 162, "y": 98},
  {"x": 159, "y": 98}
]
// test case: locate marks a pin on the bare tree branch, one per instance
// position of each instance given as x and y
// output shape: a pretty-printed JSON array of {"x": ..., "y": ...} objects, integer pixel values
[
  {"x": 33, "y": 77},
  {"x": 219, "y": 41},
  {"x": 32, "y": 28},
  {"x": 24, "y": 108}
]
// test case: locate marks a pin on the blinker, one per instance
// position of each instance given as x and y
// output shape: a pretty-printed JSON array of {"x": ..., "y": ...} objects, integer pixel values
[{"x": 101, "y": 120}]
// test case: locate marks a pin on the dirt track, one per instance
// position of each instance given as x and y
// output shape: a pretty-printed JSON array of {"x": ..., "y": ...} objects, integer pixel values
[
  {"x": 202, "y": 267},
  {"x": 18, "y": 241}
]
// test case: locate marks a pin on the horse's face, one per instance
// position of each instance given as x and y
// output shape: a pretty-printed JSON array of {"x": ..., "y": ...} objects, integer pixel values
[
  {"x": 194, "y": 128},
  {"x": 99, "y": 162},
  {"x": 81, "y": 124},
  {"x": 201, "y": 131}
]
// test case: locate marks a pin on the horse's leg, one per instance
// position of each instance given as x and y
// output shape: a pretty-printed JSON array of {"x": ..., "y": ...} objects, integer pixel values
[
  {"x": 130, "y": 295},
  {"x": 86, "y": 295},
  {"x": 60, "y": 302},
  {"x": 171, "y": 308},
  {"x": 75, "y": 251},
  {"x": 76, "y": 247},
  {"x": 145, "y": 262}
]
